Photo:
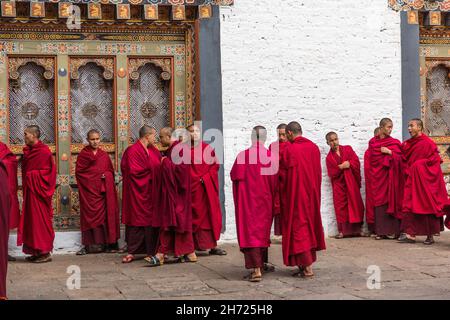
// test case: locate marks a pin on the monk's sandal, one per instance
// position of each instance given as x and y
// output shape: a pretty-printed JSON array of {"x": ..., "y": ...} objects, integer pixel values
[{"x": 154, "y": 261}]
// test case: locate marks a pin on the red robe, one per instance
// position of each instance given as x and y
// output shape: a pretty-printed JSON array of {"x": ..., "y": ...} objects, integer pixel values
[
  {"x": 4, "y": 226},
  {"x": 277, "y": 149},
  {"x": 206, "y": 211},
  {"x": 174, "y": 205},
  {"x": 301, "y": 221},
  {"x": 370, "y": 206},
  {"x": 425, "y": 191},
  {"x": 253, "y": 194},
  {"x": 140, "y": 169},
  {"x": 39, "y": 183},
  {"x": 348, "y": 204},
  {"x": 98, "y": 197},
  {"x": 386, "y": 175},
  {"x": 10, "y": 162}
]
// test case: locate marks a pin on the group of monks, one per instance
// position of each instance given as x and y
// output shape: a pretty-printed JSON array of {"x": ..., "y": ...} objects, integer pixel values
[
  {"x": 170, "y": 198},
  {"x": 406, "y": 194}
]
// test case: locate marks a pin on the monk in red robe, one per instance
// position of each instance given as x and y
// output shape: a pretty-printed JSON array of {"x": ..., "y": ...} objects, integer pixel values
[
  {"x": 99, "y": 208},
  {"x": 344, "y": 171},
  {"x": 5, "y": 199},
  {"x": 11, "y": 163},
  {"x": 174, "y": 210},
  {"x": 140, "y": 169},
  {"x": 39, "y": 183},
  {"x": 425, "y": 194},
  {"x": 370, "y": 207},
  {"x": 206, "y": 211},
  {"x": 386, "y": 180},
  {"x": 302, "y": 226},
  {"x": 253, "y": 193},
  {"x": 277, "y": 149}
]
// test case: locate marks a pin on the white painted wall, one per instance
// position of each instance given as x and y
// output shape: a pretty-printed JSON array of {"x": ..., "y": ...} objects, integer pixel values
[{"x": 331, "y": 65}]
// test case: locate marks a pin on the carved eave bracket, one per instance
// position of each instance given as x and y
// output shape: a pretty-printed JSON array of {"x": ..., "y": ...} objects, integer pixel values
[
  {"x": 16, "y": 62},
  {"x": 106, "y": 63},
  {"x": 164, "y": 64}
]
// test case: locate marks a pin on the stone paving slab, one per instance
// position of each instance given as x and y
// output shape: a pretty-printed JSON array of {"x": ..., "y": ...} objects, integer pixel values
[{"x": 407, "y": 272}]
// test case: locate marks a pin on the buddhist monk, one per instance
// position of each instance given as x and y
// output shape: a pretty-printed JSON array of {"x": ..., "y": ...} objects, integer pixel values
[
  {"x": 277, "y": 149},
  {"x": 253, "y": 194},
  {"x": 370, "y": 208},
  {"x": 302, "y": 226},
  {"x": 38, "y": 182},
  {"x": 174, "y": 209},
  {"x": 425, "y": 194},
  {"x": 99, "y": 208},
  {"x": 140, "y": 169},
  {"x": 11, "y": 163},
  {"x": 344, "y": 171},
  {"x": 5, "y": 199},
  {"x": 206, "y": 211},
  {"x": 387, "y": 181}
]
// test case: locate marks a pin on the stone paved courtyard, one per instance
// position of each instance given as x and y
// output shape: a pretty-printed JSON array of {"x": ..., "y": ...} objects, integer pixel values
[{"x": 407, "y": 272}]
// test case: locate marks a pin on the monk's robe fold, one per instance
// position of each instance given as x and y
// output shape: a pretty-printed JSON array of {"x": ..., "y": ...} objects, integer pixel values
[
  {"x": 370, "y": 204},
  {"x": 386, "y": 175},
  {"x": 38, "y": 182},
  {"x": 425, "y": 191},
  {"x": 11, "y": 163},
  {"x": 174, "y": 203},
  {"x": 301, "y": 221},
  {"x": 5, "y": 200},
  {"x": 253, "y": 194},
  {"x": 98, "y": 196},
  {"x": 346, "y": 184},
  {"x": 277, "y": 149},
  {"x": 206, "y": 211},
  {"x": 139, "y": 168}
]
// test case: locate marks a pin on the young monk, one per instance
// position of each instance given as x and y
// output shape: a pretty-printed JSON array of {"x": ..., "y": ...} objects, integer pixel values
[
  {"x": 387, "y": 180},
  {"x": 425, "y": 195},
  {"x": 140, "y": 169},
  {"x": 35, "y": 231},
  {"x": 302, "y": 226},
  {"x": 174, "y": 204},
  {"x": 99, "y": 210},
  {"x": 370, "y": 207},
  {"x": 253, "y": 194},
  {"x": 5, "y": 200},
  {"x": 206, "y": 211},
  {"x": 277, "y": 149},
  {"x": 344, "y": 171}
]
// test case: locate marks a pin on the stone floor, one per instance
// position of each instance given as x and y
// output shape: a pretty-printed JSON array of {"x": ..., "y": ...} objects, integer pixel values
[{"x": 407, "y": 272}]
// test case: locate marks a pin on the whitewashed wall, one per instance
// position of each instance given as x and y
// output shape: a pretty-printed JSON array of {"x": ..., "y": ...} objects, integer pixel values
[{"x": 331, "y": 65}]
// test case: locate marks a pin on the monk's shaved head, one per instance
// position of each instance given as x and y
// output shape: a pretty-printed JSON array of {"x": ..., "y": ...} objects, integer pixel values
[
  {"x": 92, "y": 131},
  {"x": 294, "y": 127},
  {"x": 167, "y": 131},
  {"x": 282, "y": 126},
  {"x": 376, "y": 131},
  {"x": 259, "y": 133},
  {"x": 384, "y": 122},
  {"x": 146, "y": 130},
  {"x": 34, "y": 130},
  {"x": 329, "y": 135},
  {"x": 419, "y": 122}
]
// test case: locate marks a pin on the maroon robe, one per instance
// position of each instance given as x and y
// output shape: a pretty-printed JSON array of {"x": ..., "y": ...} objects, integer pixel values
[
  {"x": 38, "y": 182},
  {"x": 387, "y": 182},
  {"x": 99, "y": 208},
  {"x": 370, "y": 207},
  {"x": 348, "y": 204},
  {"x": 140, "y": 168},
  {"x": 253, "y": 194},
  {"x": 10, "y": 162},
  {"x": 425, "y": 195},
  {"x": 174, "y": 204},
  {"x": 277, "y": 149},
  {"x": 302, "y": 226},
  {"x": 206, "y": 211},
  {"x": 4, "y": 226}
]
